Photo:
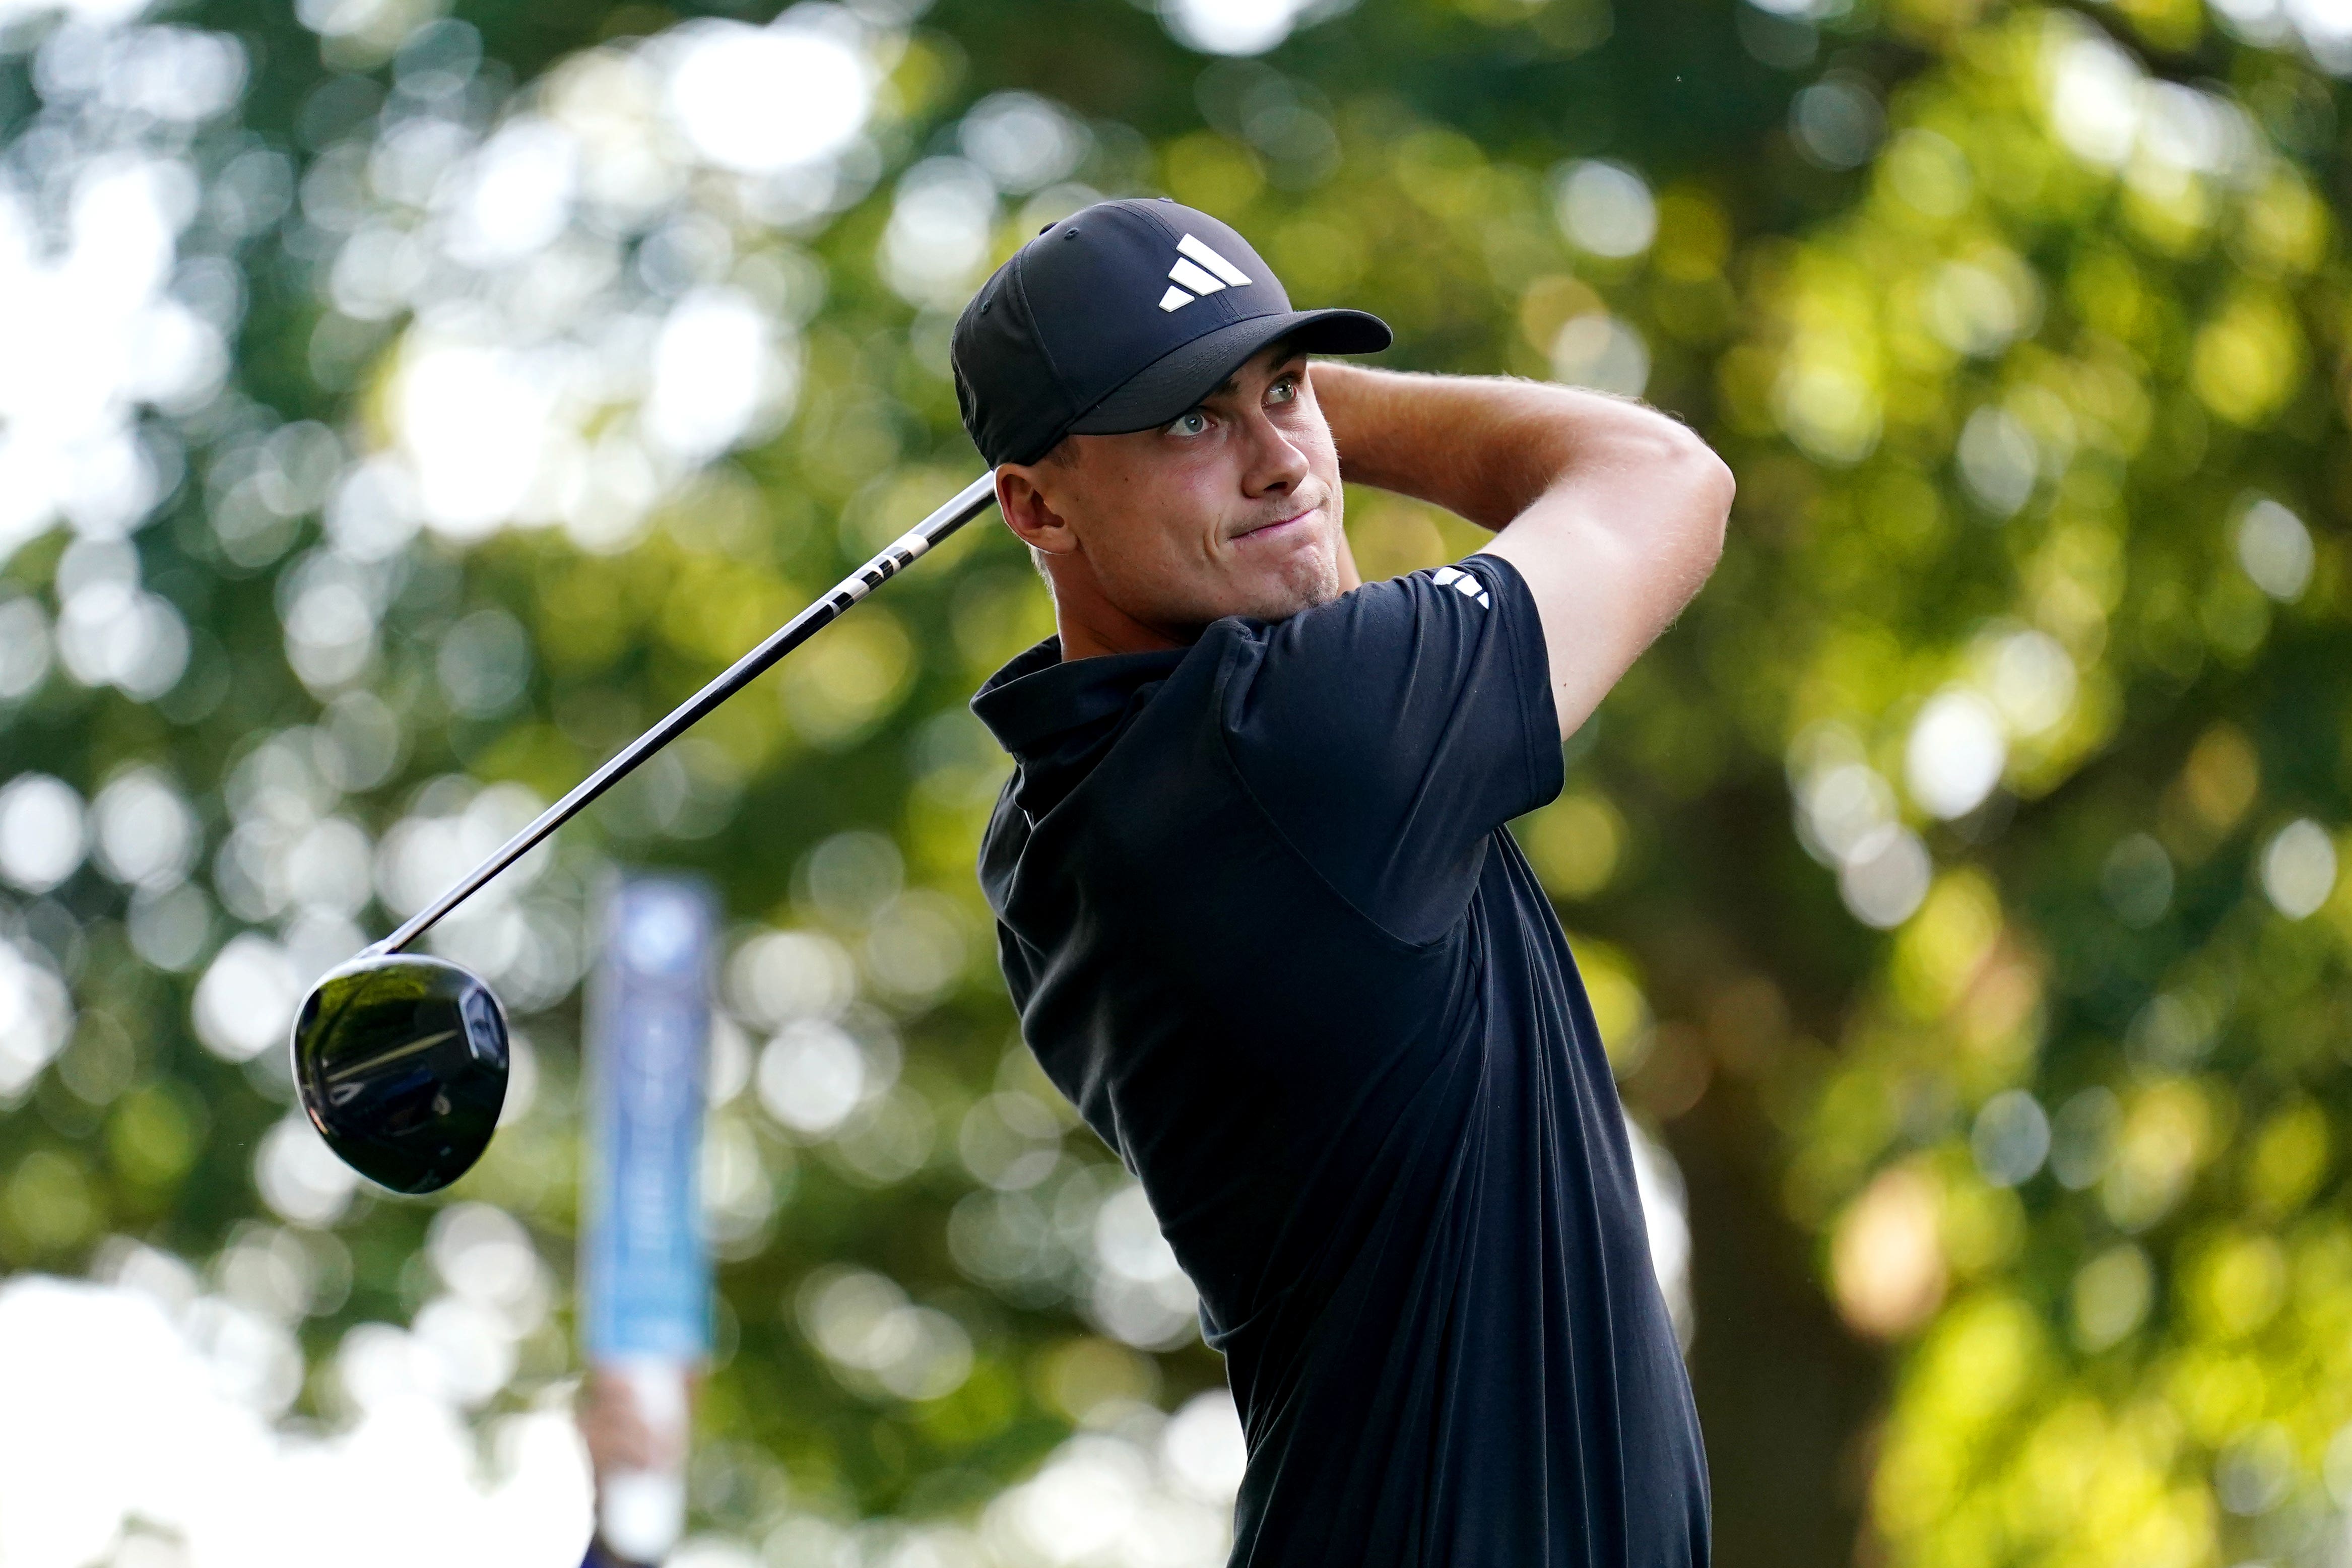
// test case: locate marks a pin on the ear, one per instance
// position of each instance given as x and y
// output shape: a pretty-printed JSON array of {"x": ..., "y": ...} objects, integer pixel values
[{"x": 1020, "y": 497}]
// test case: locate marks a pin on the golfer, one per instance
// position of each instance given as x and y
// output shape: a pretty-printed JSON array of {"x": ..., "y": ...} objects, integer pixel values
[{"x": 1259, "y": 910}]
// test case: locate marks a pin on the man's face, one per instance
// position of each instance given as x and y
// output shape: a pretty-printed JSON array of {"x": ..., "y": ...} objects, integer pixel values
[{"x": 1231, "y": 509}]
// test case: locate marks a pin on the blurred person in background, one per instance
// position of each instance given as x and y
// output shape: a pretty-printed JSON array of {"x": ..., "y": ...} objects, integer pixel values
[
  {"x": 1259, "y": 909},
  {"x": 638, "y": 1452}
]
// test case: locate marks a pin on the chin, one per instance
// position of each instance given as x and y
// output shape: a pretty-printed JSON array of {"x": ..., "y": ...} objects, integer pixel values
[
  {"x": 1274, "y": 591},
  {"x": 1303, "y": 586}
]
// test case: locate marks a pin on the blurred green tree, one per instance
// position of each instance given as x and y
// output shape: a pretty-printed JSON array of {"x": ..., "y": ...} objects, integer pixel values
[{"x": 1960, "y": 884}]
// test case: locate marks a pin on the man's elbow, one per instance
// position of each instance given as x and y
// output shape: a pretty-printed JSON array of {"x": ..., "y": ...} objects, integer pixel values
[
  {"x": 1722, "y": 485},
  {"x": 1708, "y": 488}
]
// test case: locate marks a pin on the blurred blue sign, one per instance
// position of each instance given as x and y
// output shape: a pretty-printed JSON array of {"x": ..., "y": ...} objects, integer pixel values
[{"x": 645, "y": 1271}]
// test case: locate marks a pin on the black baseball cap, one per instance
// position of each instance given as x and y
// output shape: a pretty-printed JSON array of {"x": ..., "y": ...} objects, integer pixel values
[{"x": 1119, "y": 318}]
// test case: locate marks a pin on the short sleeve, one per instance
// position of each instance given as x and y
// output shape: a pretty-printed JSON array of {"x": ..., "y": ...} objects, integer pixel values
[{"x": 1389, "y": 733}]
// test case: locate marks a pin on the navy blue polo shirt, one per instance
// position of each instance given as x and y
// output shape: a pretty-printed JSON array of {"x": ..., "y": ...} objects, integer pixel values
[{"x": 1265, "y": 927}]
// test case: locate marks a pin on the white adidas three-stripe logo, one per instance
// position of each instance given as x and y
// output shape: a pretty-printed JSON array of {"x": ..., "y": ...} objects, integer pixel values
[
  {"x": 1202, "y": 272},
  {"x": 1461, "y": 583}
]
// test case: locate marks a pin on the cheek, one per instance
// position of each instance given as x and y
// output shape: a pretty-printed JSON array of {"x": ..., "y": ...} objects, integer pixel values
[
  {"x": 1189, "y": 487},
  {"x": 1140, "y": 540},
  {"x": 1164, "y": 520},
  {"x": 1323, "y": 456}
]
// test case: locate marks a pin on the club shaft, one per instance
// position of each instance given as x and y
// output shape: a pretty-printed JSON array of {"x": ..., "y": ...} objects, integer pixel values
[{"x": 969, "y": 503}]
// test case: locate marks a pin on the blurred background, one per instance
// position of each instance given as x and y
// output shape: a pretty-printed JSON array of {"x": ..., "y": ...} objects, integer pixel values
[{"x": 401, "y": 406}]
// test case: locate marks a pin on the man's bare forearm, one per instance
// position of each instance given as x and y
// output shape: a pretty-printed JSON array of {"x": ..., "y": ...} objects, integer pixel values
[
  {"x": 1484, "y": 448},
  {"x": 1612, "y": 513}
]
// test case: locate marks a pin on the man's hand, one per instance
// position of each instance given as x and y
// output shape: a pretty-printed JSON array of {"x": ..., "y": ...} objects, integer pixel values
[{"x": 1612, "y": 512}]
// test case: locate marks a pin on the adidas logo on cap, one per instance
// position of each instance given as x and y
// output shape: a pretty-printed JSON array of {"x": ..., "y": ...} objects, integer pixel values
[{"x": 1202, "y": 270}]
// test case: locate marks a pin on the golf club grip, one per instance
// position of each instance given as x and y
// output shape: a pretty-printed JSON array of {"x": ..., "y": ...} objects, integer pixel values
[{"x": 969, "y": 503}]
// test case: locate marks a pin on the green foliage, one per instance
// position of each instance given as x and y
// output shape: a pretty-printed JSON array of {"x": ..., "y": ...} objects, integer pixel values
[{"x": 2023, "y": 328}]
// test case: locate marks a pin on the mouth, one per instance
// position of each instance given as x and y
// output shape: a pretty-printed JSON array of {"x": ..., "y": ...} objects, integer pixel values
[{"x": 1280, "y": 529}]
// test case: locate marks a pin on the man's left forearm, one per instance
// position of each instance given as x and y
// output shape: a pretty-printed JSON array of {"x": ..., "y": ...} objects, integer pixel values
[{"x": 1484, "y": 448}]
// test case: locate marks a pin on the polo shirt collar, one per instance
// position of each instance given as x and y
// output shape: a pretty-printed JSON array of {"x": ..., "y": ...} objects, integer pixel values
[{"x": 1039, "y": 697}]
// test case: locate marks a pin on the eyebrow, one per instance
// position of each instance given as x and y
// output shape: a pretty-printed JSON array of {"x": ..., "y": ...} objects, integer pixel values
[{"x": 1233, "y": 379}]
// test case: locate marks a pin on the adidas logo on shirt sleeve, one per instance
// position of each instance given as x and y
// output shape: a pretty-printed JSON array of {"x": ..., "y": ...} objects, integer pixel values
[{"x": 1461, "y": 583}]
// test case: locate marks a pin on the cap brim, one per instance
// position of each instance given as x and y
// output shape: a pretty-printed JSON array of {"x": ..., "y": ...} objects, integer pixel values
[{"x": 1178, "y": 380}]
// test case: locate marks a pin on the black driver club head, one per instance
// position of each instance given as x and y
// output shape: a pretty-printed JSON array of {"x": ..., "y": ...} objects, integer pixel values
[{"x": 401, "y": 1065}]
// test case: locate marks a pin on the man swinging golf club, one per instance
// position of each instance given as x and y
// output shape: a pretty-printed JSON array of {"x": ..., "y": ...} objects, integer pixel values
[{"x": 1259, "y": 911}]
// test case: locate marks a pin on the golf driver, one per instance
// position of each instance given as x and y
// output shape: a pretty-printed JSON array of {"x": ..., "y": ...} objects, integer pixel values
[{"x": 401, "y": 1060}]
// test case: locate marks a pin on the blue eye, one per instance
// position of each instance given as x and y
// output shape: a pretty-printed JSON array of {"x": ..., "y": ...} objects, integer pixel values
[
  {"x": 1282, "y": 391},
  {"x": 1191, "y": 424}
]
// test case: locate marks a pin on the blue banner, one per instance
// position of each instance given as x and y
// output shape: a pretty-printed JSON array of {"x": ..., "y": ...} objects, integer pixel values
[{"x": 645, "y": 1270}]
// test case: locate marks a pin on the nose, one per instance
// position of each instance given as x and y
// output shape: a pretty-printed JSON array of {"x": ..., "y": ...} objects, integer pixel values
[{"x": 1274, "y": 465}]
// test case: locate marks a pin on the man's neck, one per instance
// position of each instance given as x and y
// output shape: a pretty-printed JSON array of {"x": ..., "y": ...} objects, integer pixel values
[
  {"x": 1081, "y": 640},
  {"x": 1091, "y": 625}
]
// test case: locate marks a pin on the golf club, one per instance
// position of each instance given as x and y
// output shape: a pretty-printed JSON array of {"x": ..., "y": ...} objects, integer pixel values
[{"x": 401, "y": 1060}]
